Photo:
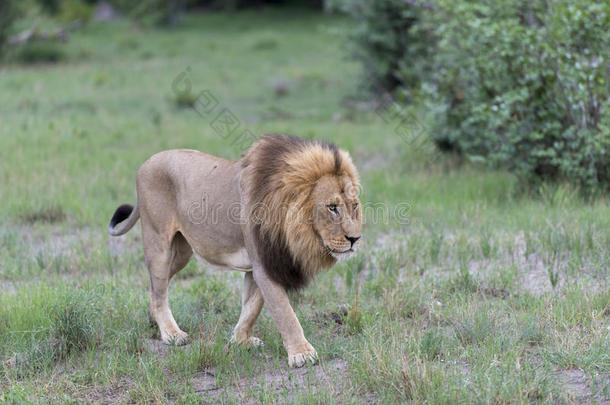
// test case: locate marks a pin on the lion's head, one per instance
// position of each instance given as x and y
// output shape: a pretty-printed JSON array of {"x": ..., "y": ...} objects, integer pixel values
[{"x": 302, "y": 201}]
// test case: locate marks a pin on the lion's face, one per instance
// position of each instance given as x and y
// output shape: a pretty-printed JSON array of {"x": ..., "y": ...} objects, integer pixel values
[{"x": 337, "y": 216}]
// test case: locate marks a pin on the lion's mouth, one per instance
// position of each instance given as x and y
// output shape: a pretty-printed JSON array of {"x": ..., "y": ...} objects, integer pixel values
[{"x": 341, "y": 255}]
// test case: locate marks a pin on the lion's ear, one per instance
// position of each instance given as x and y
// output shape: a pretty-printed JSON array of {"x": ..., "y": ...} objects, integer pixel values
[{"x": 349, "y": 168}]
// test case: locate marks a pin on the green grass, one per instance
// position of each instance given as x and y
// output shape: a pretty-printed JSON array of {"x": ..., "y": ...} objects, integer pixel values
[{"x": 467, "y": 289}]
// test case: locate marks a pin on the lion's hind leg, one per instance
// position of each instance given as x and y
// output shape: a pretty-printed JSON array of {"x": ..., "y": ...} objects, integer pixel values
[
  {"x": 252, "y": 303},
  {"x": 164, "y": 259}
]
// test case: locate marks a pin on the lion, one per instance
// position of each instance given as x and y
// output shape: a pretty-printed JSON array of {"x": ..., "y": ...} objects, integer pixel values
[{"x": 282, "y": 213}]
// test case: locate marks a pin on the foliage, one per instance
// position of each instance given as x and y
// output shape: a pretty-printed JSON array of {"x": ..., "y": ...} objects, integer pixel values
[
  {"x": 168, "y": 12},
  {"x": 40, "y": 52},
  {"x": 522, "y": 84},
  {"x": 9, "y": 12},
  {"x": 71, "y": 10},
  {"x": 157, "y": 12},
  {"x": 50, "y": 6},
  {"x": 525, "y": 85},
  {"x": 390, "y": 39}
]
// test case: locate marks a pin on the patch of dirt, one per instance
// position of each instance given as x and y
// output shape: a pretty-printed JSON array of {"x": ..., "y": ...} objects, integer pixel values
[
  {"x": 276, "y": 380},
  {"x": 56, "y": 240},
  {"x": 156, "y": 346},
  {"x": 59, "y": 240},
  {"x": 7, "y": 287},
  {"x": 496, "y": 292},
  {"x": 110, "y": 395},
  {"x": 159, "y": 348},
  {"x": 533, "y": 269},
  {"x": 536, "y": 279},
  {"x": 336, "y": 318},
  {"x": 575, "y": 383},
  {"x": 130, "y": 242},
  {"x": 581, "y": 389},
  {"x": 286, "y": 382},
  {"x": 45, "y": 243}
]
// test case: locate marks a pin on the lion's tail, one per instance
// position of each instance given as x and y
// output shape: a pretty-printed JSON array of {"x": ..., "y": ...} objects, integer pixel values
[{"x": 126, "y": 213}]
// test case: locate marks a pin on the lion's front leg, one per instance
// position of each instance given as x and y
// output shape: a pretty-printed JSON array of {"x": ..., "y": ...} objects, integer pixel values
[
  {"x": 251, "y": 305},
  {"x": 298, "y": 348}
]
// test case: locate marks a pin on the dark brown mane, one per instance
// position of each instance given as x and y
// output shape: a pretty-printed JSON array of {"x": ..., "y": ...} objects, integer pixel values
[{"x": 271, "y": 191}]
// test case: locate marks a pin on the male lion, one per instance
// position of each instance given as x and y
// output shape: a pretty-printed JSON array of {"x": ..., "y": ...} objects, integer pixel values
[{"x": 286, "y": 210}]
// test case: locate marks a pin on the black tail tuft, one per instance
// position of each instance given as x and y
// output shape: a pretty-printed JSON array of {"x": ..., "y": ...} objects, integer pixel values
[{"x": 121, "y": 214}]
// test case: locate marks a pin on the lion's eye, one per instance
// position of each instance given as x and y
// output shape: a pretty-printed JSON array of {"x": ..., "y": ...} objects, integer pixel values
[{"x": 333, "y": 208}]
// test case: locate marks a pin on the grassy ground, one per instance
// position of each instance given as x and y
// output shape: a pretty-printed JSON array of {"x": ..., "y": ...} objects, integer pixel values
[{"x": 466, "y": 290}]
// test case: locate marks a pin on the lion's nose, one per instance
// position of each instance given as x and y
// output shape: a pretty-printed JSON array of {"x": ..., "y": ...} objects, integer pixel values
[{"x": 352, "y": 239}]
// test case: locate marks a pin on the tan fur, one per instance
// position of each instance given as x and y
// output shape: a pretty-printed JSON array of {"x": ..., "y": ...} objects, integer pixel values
[{"x": 187, "y": 203}]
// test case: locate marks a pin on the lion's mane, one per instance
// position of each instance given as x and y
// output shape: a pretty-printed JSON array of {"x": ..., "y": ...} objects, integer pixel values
[{"x": 278, "y": 175}]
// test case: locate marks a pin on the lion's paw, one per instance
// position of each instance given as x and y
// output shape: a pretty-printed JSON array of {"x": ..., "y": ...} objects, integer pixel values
[
  {"x": 299, "y": 359},
  {"x": 254, "y": 342},
  {"x": 175, "y": 339},
  {"x": 248, "y": 342}
]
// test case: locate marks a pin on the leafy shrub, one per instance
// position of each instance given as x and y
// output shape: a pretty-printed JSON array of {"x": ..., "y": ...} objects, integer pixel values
[
  {"x": 390, "y": 40},
  {"x": 9, "y": 12},
  {"x": 50, "y": 6},
  {"x": 71, "y": 10},
  {"x": 40, "y": 52},
  {"x": 168, "y": 12},
  {"x": 524, "y": 85},
  {"x": 157, "y": 12},
  {"x": 519, "y": 84}
]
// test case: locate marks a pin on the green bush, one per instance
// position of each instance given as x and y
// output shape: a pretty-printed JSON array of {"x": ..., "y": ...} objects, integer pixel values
[
  {"x": 156, "y": 12},
  {"x": 9, "y": 12},
  {"x": 517, "y": 84},
  {"x": 524, "y": 85},
  {"x": 50, "y": 6},
  {"x": 390, "y": 39},
  {"x": 71, "y": 10},
  {"x": 168, "y": 12},
  {"x": 40, "y": 52}
]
